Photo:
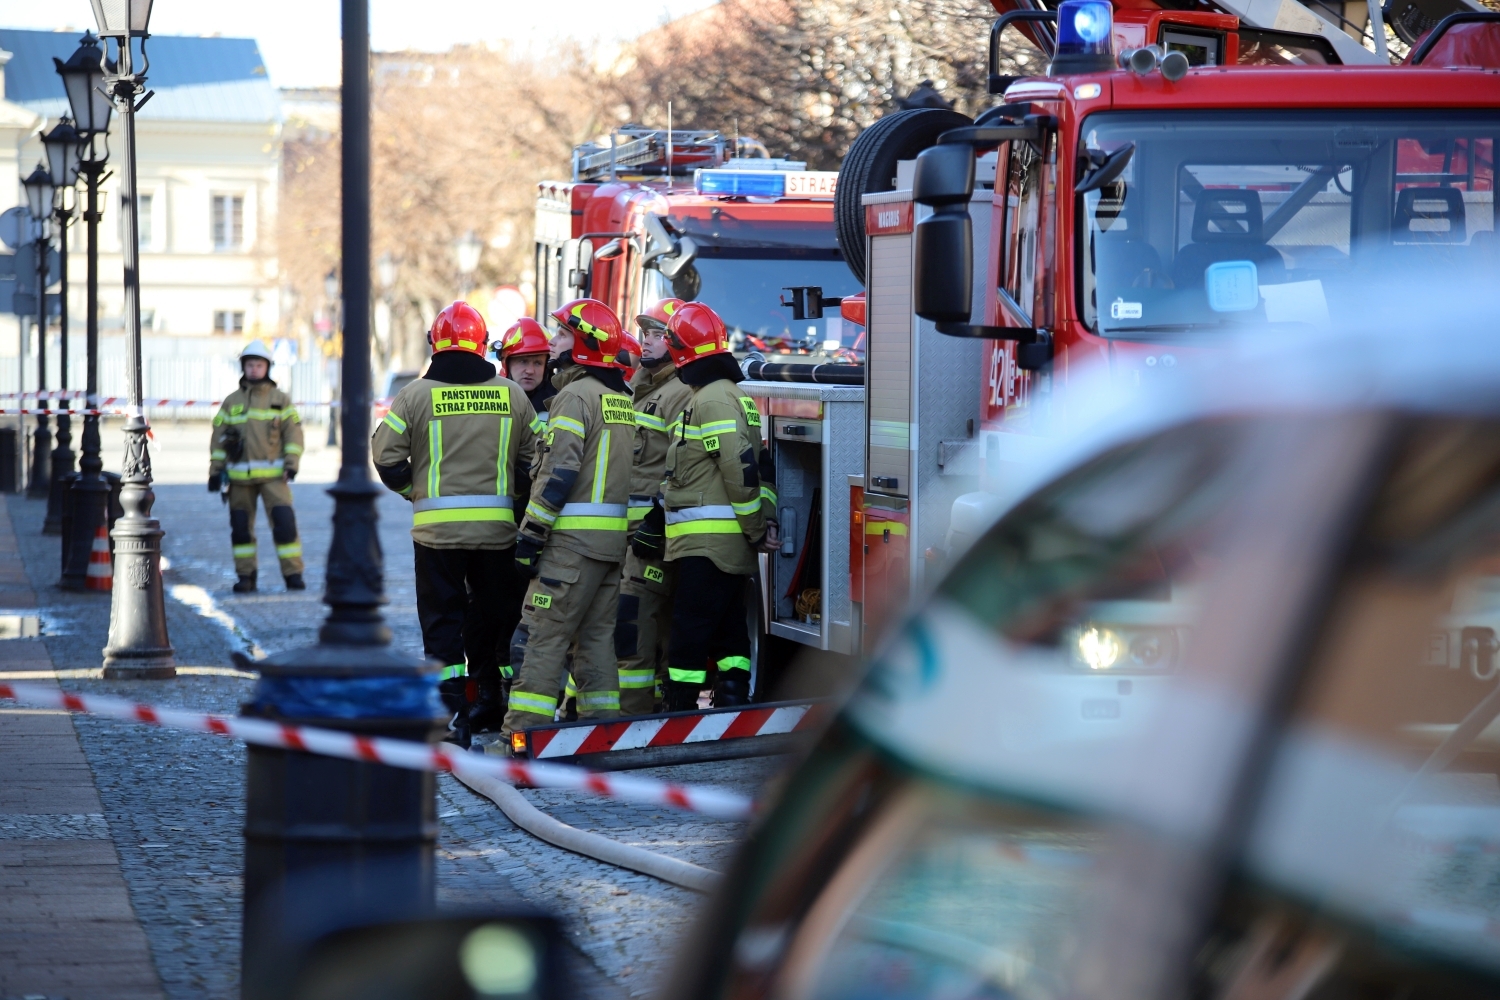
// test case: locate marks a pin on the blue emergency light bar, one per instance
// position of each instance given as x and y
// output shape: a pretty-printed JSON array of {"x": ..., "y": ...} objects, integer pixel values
[
  {"x": 741, "y": 183},
  {"x": 1084, "y": 28}
]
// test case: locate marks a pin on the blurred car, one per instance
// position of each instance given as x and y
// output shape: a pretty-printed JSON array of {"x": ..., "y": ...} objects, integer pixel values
[
  {"x": 1210, "y": 711},
  {"x": 394, "y": 383}
]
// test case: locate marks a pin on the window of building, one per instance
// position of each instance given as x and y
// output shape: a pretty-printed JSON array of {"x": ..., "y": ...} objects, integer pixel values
[
  {"x": 228, "y": 221},
  {"x": 228, "y": 321}
]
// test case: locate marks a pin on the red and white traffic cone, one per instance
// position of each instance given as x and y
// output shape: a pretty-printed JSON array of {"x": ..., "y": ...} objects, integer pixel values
[{"x": 101, "y": 574}]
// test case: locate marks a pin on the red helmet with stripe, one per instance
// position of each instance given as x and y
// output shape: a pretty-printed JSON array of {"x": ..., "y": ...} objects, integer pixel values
[
  {"x": 695, "y": 331},
  {"x": 598, "y": 338},
  {"x": 525, "y": 336},
  {"x": 458, "y": 328},
  {"x": 658, "y": 315}
]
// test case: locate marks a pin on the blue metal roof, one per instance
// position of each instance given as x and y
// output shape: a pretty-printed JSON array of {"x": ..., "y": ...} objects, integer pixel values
[{"x": 195, "y": 79}]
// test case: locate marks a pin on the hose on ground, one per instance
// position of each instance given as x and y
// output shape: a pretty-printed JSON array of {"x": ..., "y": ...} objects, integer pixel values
[{"x": 537, "y": 823}]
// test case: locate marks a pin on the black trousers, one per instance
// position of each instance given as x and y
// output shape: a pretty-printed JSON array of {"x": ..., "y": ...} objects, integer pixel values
[
  {"x": 708, "y": 619},
  {"x": 466, "y": 600}
]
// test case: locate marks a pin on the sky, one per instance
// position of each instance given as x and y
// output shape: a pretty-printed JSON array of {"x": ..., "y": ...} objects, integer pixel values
[{"x": 299, "y": 39}]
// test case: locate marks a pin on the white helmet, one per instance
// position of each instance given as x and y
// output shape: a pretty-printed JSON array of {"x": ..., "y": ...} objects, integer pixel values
[{"x": 256, "y": 349}]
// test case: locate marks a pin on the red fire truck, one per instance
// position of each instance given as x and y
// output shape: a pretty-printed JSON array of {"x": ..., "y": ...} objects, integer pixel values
[
  {"x": 1176, "y": 174},
  {"x": 656, "y": 213}
]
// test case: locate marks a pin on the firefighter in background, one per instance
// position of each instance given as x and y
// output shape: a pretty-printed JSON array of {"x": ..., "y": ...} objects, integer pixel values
[
  {"x": 523, "y": 352},
  {"x": 573, "y": 538},
  {"x": 720, "y": 508},
  {"x": 645, "y": 613},
  {"x": 457, "y": 443},
  {"x": 257, "y": 441}
]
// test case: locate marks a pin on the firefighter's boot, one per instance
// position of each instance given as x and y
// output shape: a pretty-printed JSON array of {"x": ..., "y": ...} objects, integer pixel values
[
  {"x": 682, "y": 696},
  {"x": 245, "y": 584},
  {"x": 732, "y": 688},
  {"x": 453, "y": 692},
  {"x": 488, "y": 710},
  {"x": 294, "y": 582}
]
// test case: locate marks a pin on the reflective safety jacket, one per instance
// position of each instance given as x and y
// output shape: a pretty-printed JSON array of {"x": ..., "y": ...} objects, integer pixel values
[
  {"x": 660, "y": 398},
  {"x": 262, "y": 419},
  {"x": 581, "y": 477},
  {"x": 457, "y": 453},
  {"x": 717, "y": 505}
]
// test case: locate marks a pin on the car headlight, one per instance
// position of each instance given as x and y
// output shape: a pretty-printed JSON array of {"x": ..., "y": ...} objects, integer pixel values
[
  {"x": 1099, "y": 648},
  {"x": 1124, "y": 648}
]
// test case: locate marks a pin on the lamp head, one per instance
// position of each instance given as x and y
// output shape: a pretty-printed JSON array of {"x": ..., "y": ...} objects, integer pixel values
[
  {"x": 122, "y": 18},
  {"x": 39, "y": 192},
  {"x": 83, "y": 79},
  {"x": 64, "y": 147}
]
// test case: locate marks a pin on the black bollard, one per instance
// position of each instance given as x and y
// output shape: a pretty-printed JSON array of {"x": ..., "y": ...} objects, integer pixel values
[{"x": 332, "y": 843}]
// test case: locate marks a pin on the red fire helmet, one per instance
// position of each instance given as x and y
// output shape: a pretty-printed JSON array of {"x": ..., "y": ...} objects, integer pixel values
[
  {"x": 658, "y": 315},
  {"x": 458, "y": 328},
  {"x": 597, "y": 336},
  {"x": 525, "y": 336},
  {"x": 695, "y": 331}
]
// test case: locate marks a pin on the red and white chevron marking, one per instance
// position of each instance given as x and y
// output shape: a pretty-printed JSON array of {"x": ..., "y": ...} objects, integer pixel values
[
  {"x": 602, "y": 737},
  {"x": 705, "y": 799}
]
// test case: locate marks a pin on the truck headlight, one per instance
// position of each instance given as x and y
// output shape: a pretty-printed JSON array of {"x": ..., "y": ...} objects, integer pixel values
[{"x": 1099, "y": 648}]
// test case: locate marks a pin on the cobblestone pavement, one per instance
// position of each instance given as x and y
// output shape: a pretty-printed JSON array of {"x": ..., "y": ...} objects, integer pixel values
[{"x": 174, "y": 801}]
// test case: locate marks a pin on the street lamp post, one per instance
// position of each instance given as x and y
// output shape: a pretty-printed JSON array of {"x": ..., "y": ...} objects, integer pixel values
[
  {"x": 329, "y": 842},
  {"x": 83, "y": 79},
  {"x": 467, "y": 249},
  {"x": 39, "y": 199},
  {"x": 138, "y": 643},
  {"x": 335, "y": 315},
  {"x": 64, "y": 146}
]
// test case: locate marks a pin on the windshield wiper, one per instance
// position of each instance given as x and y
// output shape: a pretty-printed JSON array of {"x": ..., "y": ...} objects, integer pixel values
[{"x": 1129, "y": 332}]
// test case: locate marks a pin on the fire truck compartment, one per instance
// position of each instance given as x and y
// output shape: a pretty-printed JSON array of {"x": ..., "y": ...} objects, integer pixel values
[{"x": 816, "y": 434}]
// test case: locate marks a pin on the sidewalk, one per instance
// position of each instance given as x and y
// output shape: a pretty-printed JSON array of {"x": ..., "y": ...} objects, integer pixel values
[{"x": 67, "y": 928}]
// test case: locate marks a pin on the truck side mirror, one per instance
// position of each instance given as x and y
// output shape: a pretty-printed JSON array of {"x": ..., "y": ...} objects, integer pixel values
[
  {"x": 943, "y": 280},
  {"x": 944, "y": 176},
  {"x": 577, "y": 262}
]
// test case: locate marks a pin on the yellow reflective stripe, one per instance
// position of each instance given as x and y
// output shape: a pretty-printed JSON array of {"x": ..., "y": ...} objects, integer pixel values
[
  {"x": 235, "y": 418},
  {"x": 538, "y": 425},
  {"x": 691, "y": 431},
  {"x": 434, "y": 457},
  {"x": 540, "y": 704},
  {"x": 567, "y": 424},
  {"x": 453, "y": 670},
  {"x": 502, "y": 460},
  {"x": 395, "y": 423},
  {"x": 712, "y": 526},
  {"x": 634, "y": 680},
  {"x": 747, "y": 508},
  {"x": 291, "y": 449},
  {"x": 405, "y": 490},
  {"x": 717, "y": 427},
  {"x": 592, "y": 524},
  {"x": 651, "y": 420},
  {"x": 767, "y": 493},
  {"x": 239, "y": 475},
  {"x": 218, "y": 418},
  {"x": 881, "y": 527},
  {"x": 453, "y": 515},
  {"x": 244, "y": 551},
  {"x": 735, "y": 663},
  {"x": 601, "y": 466},
  {"x": 684, "y": 676},
  {"x": 540, "y": 513},
  {"x": 292, "y": 551},
  {"x": 289, "y": 415},
  {"x": 598, "y": 700},
  {"x": 705, "y": 348},
  {"x": 637, "y": 513},
  {"x": 571, "y": 688},
  {"x": 217, "y": 454},
  {"x": 256, "y": 413}
]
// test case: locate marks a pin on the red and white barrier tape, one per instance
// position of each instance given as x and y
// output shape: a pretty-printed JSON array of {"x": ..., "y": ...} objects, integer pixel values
[
  {"x": 718, "y": 802},
  {"x": 105, "y": 402}
]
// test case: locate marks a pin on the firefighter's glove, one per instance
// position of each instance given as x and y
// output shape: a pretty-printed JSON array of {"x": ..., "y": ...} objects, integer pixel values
[
  {"x": 234, "y": 445},
  {"x": 291, "y": 474},
  {"x": 650, "y": 538},
  {"x": 771, "y": 540},
  {"x": 528, "y": 556},
  {"x": 215, "y": 482}
]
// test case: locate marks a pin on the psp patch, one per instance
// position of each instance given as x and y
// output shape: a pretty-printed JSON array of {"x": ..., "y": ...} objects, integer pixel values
[
  {"x": 752, "y": 415},
  {"x": 617, "y": 409},
  {"x": 454, "y": 401},
  {"x": 655, "y": 574},
  {"x": 541, "y": 600}
]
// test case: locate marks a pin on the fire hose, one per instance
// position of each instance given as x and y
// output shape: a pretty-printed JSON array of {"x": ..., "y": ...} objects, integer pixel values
[{"x": 767, "y": 371}]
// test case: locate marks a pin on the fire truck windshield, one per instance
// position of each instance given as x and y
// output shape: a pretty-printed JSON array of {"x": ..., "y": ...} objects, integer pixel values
[
  {"x": 1225, "y": 219},
  {"x": 744, "y": 286}
]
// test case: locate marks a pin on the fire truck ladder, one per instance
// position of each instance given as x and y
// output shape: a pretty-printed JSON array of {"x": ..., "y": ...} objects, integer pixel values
[{"x": 645, "y": 150}]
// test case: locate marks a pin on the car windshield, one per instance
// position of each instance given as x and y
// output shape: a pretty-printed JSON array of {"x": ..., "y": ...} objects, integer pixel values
[
  {"x": 744, "y": 286},
  {"x": 1220, "y": 219}
]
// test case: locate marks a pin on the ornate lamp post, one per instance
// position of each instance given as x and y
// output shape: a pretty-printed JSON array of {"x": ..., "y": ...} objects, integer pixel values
[
  {"x": 39, "y": 199},
  {"x": 328, "y": 841},
  {"x": 138, "y": 644},
  {"x": 467, "y": 248},
  {"x": 64, "y": 146},
  {"x": 83, "y": 79},
  {"x": 335, "y": 316}
]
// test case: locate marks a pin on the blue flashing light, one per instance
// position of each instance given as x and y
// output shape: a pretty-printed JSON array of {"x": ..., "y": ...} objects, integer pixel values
[
  {"x": 1084, "y": 27},
  {"x": 741, "y": 183}
]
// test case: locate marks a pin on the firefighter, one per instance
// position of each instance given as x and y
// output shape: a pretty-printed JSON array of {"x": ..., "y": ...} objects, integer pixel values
[
  {"x": 457, "y": 443},
  {"x": 257, "y": 441},
  {"x": 720, "y": 508},
  {"x": 573, "y": 538},
  {"x": 523, "y": 352},
  {"x": 645, "y": 613}
]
